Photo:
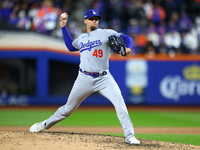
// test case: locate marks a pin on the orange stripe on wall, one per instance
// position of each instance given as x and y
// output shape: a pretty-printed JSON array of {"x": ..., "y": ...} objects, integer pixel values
[{"x": 158, "y": 57}]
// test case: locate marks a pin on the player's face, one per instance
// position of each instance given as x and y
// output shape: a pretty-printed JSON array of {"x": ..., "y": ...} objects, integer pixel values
[{"x": 92, "y": 23}]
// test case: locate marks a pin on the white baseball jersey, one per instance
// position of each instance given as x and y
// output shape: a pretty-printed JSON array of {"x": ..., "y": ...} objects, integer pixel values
[{"x": 94, "y": 50}]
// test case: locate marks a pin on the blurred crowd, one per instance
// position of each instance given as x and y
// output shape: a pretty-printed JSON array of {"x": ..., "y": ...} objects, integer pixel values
[{"x": 156, "y": 26}]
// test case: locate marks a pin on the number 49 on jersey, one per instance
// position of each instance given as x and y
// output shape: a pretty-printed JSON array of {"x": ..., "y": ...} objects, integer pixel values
[{"x": 98, "y": 53}]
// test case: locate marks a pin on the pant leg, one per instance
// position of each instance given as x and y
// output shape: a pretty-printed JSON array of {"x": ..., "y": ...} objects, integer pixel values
[
  {"x": 111, "y": 90},
  {"x": 81, "y": 89}
]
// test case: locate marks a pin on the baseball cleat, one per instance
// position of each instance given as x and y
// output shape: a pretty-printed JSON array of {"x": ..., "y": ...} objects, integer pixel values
[
  {"x": 37, "y": 127},
  {"x": 133, "y": 141}
]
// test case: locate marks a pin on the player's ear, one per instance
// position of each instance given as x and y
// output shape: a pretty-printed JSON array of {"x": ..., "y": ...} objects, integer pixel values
[{"x": 85, "y": 21}]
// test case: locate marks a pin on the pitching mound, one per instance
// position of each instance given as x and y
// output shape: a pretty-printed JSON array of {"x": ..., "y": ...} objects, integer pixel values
[{"x": 23, "y": 140}]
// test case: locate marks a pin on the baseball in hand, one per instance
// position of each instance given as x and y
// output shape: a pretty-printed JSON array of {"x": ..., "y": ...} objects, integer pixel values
[{"x": 63, "y": 16}]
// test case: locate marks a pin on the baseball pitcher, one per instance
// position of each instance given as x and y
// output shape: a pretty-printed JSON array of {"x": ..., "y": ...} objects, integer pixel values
[{"x": 94, "y": 46}]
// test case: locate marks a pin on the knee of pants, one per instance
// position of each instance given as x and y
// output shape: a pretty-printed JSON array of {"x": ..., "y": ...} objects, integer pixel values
[{"x": 67, "y": 110}]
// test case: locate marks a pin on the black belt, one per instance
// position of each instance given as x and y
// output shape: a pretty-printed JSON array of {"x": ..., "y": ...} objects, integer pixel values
[{"x": 93, "y": 74}]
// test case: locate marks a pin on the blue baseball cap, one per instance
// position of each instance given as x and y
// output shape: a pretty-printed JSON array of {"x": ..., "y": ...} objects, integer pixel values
[{"x": 91, "y": 13}]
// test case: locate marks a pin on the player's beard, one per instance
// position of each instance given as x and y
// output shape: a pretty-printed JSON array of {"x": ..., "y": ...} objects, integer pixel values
[{"x": 92, "y": 28}]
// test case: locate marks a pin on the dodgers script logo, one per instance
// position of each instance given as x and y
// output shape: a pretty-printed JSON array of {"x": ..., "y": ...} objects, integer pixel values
[{"x": 89, "y": 45}]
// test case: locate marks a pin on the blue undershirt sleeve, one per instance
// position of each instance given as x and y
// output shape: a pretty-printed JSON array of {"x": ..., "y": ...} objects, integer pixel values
[
  {"x": 127, "y": 40},
  {"x": 68, "y": 39}
]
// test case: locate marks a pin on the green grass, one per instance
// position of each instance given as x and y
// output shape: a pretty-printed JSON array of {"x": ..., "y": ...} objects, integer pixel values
[
  {"x": 166, "y": 119},
  {"x": 102, "y": 118},
  {"x": 175, "y": 138},
  {"x": 109, "y": 118}
]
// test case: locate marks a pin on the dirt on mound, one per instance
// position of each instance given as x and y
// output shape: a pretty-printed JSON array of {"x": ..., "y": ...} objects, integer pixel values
[{"x": 23, "y": 140}]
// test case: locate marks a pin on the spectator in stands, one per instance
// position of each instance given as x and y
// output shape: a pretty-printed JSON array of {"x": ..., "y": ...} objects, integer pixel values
[
  {"x": 174, "y": 17},
  {"x": 162, "y": 28},
  {"x": 173, "y": 6},
  {"x": 3, "y": 90},
  {"x": 140, "y": 15},
  {"x": 141, "y": 41},
  {"x": 50, "y": 20},
  {"x": 133, "y": 27},
  {"x": 172, "y": 40},
  {"x": 184, "y": 22},
  {"x": 172, "y": 25},
  {"x": 158, "y": 14},
  {"x": 153, "y": 37},
  {"x": 148, "y": 8},
  {"x": 46, "y": 19},
  {"x": 163, "y": 49},
  {"x": 197, "y": 25},
  {"x": 32, "y": 13},
  {"x": 23, "y": 21},
  {"x": 133, "y": 30},
  {"x": 6, "y": 9},
  {"x": 189, "y": 41},
  {"x": 13, "y": 19},
  {"x": 132, "y": 8},
  {"x": 150, "y": 49}
]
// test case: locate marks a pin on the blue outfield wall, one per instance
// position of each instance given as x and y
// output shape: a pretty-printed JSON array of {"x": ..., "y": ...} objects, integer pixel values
[
  {"x": 142, "y": 81},
  {"x": 173, "y": 83}
]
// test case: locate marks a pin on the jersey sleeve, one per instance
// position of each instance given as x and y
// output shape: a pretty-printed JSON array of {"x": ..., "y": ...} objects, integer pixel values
[
  {"x": 127, "y": 40},
  {"x": 68, "y": 39},
  {"x": 75, "y": 43}
]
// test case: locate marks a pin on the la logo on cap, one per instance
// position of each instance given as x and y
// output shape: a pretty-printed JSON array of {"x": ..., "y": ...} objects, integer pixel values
[{"x": 93, "y": 12}]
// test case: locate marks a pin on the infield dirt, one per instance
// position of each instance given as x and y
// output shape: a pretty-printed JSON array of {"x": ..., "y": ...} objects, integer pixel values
[
  {"x": 87, "y": 138},
  {"x": 24, "y": 140}
]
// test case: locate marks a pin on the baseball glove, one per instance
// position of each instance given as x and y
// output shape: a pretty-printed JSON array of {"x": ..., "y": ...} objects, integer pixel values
[{"x": 117, "y": 44}]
